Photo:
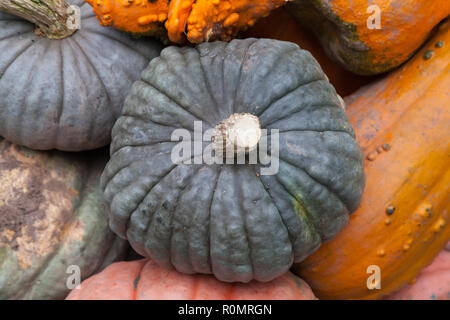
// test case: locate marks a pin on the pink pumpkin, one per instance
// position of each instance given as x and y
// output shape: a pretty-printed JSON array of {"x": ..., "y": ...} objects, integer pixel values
[{"x": 145, "y": 280}]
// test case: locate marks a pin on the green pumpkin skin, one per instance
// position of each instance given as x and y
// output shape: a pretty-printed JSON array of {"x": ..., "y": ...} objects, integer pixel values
[
  {"x": 66, "y": 94},
  {"x": 229, "y": 220},
  {"x": 52, "y": 217}
]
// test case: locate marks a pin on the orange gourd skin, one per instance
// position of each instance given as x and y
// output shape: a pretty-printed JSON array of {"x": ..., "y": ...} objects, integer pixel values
[
  {"x": 342, "y": 27},
  {"x": 433, "y": 282},
  {"x": 402, "y": 123},
  {"x": 180, "y": 20},
  {"x": 281, "y": 25},
  {"x": 145, "y": 280},
  {"x": 134, "y": 16}
]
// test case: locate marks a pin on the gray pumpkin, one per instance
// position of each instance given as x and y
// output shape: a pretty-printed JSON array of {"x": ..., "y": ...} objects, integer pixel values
[
  {"x": 66, "y": 94},
  {"x": 229, "y": 219}
]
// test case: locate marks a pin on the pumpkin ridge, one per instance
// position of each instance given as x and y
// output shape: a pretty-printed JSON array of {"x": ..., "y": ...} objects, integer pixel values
[
  {"x": 153, "y": 121},
  {"x": 146, "y": 144},
  {"x": 295, "y": 111},
  {"x": 17, "y": 56},
  {"x": 243, "y": 60},
  {"x": 59, "y": 110},
  {"x": 344, "y": 129},
  {"x": 135, "y": 117},
  {"x": 316, "y": 131},
  {"x": 293, "y": 237},
  {"x": 221, "y": 86},
  {"x": 277, "y": 99},
  {"x": 273, "y": 66},
  {"x": 327, "y": 131},
  {"x": 174, "y": 216},
  {"x": 209, "y": 217},
  {"x": 343, "y": 198},
  {"x": 309, "y": 219},
  {"x": 150, "y": 188},
  {"x": 169, "y": 64},
  {"x": 112, "y": 175},
  {"x": 83, "y": 52},
  {"x": 206, "y": 80},
  {"x": 275, "y": 204},
  {"x": 314, "y": 179},
  {"x": 23, "y": 109},
  {"x": 244, "y": 222},
  {"x": 90, "y": 130},
  {"x": 166, "y": 240},
  {"x": 204, "y": 121},
  {"x": 116, "y": 172},
  {"x": 136, "y": 207},
  {"x": 16, "y": 34}
]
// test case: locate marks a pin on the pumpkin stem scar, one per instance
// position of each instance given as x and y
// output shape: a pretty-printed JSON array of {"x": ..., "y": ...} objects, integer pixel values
[
  {"x": 240, "y": 132},
  {"x": 53, "y": 18}
]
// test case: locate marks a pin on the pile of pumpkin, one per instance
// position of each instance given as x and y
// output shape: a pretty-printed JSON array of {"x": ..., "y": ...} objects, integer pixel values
[{"x": 362, "y": 182}]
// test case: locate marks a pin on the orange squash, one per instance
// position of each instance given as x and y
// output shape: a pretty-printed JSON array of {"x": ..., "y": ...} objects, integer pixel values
[
  {"x": 433, "y": 282},
  {"x": 145, "y": 280},
  {"x": 195, "y": 20},
  {"x": 349, "y": 32},
  {"x": 281, "y": 25},
  {"x": 402, "y": 123}
]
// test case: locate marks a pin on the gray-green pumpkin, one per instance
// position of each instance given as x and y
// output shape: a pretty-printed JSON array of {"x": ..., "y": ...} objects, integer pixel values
[
  {"x": 53, "y": 222},
  {"x": 230, "y": 219},
  {"x": 65, "y": 94}
]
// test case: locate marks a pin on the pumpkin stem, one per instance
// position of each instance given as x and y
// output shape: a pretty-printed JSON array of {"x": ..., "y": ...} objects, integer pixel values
[
  {"x": 240, "y": 133},
  {"x": 53, "y": 18}
]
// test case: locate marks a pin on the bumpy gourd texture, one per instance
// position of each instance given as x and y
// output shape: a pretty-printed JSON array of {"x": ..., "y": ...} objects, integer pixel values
[
  {"x": 178, "y": 20},
  {"x": 52, "y": 216},
  {"x": 66, "y": 94},
  {"x": 227, "y": 219}
]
